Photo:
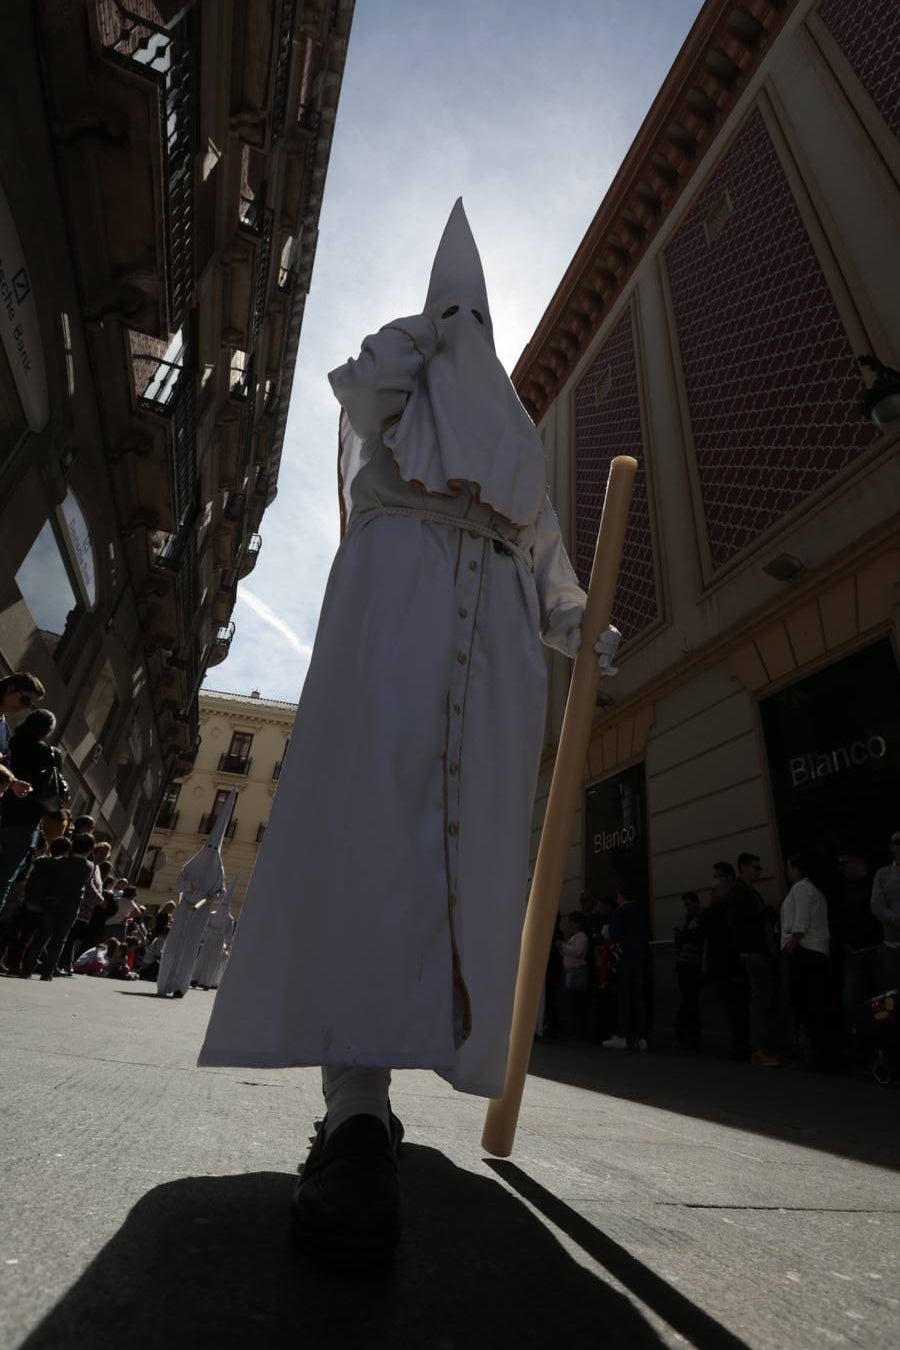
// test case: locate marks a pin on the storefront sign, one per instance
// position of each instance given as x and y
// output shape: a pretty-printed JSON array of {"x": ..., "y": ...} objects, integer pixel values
[
  {"x": 19, "y": 326},
  {"x": 833, "y": 746},
  {"x": 615, "y": 834}
]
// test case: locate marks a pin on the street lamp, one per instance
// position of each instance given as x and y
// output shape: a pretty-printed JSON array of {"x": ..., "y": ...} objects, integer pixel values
[{"x": 881, "y": 401}]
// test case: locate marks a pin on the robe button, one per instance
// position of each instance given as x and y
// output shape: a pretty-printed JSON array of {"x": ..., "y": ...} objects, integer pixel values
[
  {"x": 463, "y": 613},
  {"x": 453, "y": 828},
  {"x": 461, "y": 658},
  {"x": 457, "y": 708},
  {"x": 473, "y": 566},
  {"x": 454, "y": 768}
]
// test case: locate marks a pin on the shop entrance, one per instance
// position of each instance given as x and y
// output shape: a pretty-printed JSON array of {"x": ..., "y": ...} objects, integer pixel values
[{"x": 833, "y": 747}]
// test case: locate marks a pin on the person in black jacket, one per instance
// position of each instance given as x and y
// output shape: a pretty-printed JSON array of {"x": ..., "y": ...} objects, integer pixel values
[
  {"x": 37, "y": 763},
  {"x": 62, "y": 884}
]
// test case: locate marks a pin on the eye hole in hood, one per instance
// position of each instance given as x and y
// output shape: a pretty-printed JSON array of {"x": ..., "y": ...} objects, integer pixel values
[{"x": 478, "y": 317}]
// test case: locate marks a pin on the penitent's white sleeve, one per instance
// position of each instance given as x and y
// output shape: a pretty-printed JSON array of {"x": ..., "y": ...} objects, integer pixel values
[
  {"x": 561, "y": 598},
  {"x": 374, "y": 388}
]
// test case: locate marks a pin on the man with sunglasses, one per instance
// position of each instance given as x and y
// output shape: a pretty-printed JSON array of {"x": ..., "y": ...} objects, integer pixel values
[{"x": 18, "y": 693}]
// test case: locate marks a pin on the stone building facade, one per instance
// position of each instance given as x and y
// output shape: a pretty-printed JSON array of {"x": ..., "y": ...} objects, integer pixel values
[
  {"x": 243, "y": 741},
  {"x": 710, "y": 323},
  {"x": 162, "y": 165}
]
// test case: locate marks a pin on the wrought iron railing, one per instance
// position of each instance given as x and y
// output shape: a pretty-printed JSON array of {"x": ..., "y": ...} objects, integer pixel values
[
  {"x": 235, "y": 763},
  {"x": 166, "y": 56},
  {"x": 208, "y": 824},
  {"x": 263, "y": 266},
  {"x": 282, "y": 80}
]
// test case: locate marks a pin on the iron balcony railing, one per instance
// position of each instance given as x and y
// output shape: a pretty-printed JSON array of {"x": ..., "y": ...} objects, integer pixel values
[
  {"x": 263, "y": 267},
  {"x": 235, "y": 764},
  {"x": 208, "y": 824},
  {"x": 282, "y": 80},
  {"x": 166, "y": 56}
]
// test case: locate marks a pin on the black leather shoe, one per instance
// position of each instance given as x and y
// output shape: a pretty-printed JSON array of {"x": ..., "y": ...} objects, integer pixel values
[{"x": 346, "y": 1205}]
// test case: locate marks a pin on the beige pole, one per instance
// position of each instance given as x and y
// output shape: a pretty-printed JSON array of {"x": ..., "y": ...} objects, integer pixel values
[{"x": 565, "y": 788}]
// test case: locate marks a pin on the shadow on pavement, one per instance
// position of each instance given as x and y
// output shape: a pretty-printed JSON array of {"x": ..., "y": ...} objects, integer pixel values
[
  {"x": 850, "y": 1116},
  {"x": 208, "y": 1261},
  {"x": 692, "y": 1322}
]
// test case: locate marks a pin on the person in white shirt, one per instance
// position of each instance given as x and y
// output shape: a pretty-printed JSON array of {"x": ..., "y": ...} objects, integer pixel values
[
  {"x": 574, "y": 953},
  {"x": 805, "y": 940}
]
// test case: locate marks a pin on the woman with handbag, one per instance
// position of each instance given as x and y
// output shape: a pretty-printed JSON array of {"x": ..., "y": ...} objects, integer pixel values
[{"x": 40, "y": 764}]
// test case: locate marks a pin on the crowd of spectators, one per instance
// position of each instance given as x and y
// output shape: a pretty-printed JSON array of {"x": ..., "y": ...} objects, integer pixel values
[
  {"x": 62, "y": 910},
  {"x": 811, "y": 978}
]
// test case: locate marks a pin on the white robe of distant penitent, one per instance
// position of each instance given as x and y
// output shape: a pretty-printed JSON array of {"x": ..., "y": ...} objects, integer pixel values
[
  {"x": 383, "y": 919},
  {"x": 214, "y": 946},
  {"x": 179, "y": 955}
]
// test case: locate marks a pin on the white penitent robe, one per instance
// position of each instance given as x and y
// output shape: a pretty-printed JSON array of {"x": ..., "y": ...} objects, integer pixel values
[
  {"x": 179, "y": 955},
  {"x": 383, "y": 919},
  {"x": 214, "y": 947}
]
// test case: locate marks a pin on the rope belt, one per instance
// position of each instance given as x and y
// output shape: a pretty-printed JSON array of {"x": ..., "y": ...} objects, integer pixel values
[{"x": 500, "y": 542}]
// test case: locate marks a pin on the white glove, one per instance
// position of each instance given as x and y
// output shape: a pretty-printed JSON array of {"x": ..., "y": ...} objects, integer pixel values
[{"x": 606, "y": 647}]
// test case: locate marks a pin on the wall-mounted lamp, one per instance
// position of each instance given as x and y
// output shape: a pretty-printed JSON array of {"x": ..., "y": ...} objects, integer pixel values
[
  {"x": 881, "y": 401},
  {"x": 784, "y": 568}
]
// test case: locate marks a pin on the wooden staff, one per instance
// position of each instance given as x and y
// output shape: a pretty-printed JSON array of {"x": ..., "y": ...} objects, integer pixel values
[{"x": 562, "y": 804}]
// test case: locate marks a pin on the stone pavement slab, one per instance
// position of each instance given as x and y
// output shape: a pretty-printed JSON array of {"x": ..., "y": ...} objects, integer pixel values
[{"x": 651, "y": 1200}]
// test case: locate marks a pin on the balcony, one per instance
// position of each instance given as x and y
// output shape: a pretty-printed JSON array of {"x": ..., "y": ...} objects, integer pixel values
[
  {"x": 208, "y": 824},
  {"x": 221, "y": 644},
  {"x": 260, "y": 831},
  {"x": 233, "y": 509},
  {"x": 164, "y": 385},
  {"x": 185, "y": 759},
  {"x": 164, "y": 56},
  {"x": 249, "y": 555},
  {"x": 281, "y": 83},
  {"x": 167, "y": 818},
  {"x": 239, "y": 764}
]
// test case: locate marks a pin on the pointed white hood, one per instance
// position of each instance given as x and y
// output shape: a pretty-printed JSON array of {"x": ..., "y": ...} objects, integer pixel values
[{"x": 463, "y": 423}]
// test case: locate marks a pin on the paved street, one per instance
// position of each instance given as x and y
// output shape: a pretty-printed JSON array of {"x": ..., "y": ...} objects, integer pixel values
[{"x": 652, "y": 1200}]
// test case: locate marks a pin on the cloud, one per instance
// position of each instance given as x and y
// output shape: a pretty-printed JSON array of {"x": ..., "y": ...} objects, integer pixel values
[{"x": 268, "y": 616}]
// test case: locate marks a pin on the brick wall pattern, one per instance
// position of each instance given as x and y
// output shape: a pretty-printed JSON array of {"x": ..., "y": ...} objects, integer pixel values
[
  {"x": 608, "y": 423},
  {"x": 868, "y": 33},
  {"x": 773, "y": 386}
]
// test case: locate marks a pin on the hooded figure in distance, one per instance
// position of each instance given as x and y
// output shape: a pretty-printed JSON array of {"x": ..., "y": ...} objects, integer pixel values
[{"x": 381, "y": 927}]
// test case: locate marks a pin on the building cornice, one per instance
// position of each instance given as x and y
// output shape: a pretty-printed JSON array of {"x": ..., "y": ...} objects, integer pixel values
[{"x": 719, "y": 55}]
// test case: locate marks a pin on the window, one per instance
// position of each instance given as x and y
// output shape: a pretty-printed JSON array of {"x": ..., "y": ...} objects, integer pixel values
[
  {"x": 208, "y": 822},
  {"x": 47, "y": 589},
  {"x": 237, "y": 760},
  {"x": 167, "y": 816}
]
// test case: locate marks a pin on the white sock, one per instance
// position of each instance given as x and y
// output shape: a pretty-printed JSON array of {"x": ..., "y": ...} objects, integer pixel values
[{"x": 352, "y": 1091}]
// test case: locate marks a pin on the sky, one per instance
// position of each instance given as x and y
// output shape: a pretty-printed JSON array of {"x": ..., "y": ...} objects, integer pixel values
[{"x": 524, "y": 109}]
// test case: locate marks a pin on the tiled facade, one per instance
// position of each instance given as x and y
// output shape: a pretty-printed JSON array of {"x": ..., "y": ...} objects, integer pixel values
[
  {"x": 773, "y": 389},
  {"x": 608, "y": 423},
  {"x": 868, "y": 33}
]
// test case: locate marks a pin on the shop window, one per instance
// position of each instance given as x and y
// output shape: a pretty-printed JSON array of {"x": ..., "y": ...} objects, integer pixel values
[{"x": 48, "y": 590}]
